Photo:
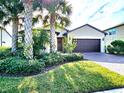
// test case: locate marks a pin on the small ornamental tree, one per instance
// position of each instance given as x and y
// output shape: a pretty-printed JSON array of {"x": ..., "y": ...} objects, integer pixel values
[{"x": 69, "y": 44}]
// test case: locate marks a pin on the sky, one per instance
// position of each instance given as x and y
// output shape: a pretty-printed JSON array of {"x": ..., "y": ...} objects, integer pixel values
[{"x": 102, "y": 14}]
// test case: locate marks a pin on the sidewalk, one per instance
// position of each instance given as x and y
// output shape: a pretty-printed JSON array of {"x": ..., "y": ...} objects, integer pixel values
[
  {"x": 116, "y": 67},
  {"x": 121, "y": 90}
]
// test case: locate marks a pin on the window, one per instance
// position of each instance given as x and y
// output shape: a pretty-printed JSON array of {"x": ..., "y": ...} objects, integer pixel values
[{"x": 112, "y": 32}]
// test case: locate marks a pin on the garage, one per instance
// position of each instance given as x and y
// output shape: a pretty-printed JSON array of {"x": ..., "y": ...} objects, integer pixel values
[
  {"x": 87, "y": 45},
  {"x": 89, "y": 39}
]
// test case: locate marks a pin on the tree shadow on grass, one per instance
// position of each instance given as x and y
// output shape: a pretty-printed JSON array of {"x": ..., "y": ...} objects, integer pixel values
[
  {"x": 28, "y": 85},
  {"x": 71, "y": 78}
]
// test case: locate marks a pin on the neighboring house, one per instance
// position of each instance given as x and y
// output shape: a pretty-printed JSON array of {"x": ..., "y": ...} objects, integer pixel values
[
  {"x": 114, "y": 33},
  {"x": 5, "y": 38},
  {"x": 89, "y": 39}
]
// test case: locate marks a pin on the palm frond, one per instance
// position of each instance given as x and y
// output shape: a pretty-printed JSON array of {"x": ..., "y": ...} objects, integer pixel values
[
  {"x": 61, "y": 10},
  {"x": 11, "y": 8},
  {"x": 40, "y": 16},
  {"x": 65, "y": 8},
  {"x": 46, "y": 20},
  {"x": 7, "y": 21},
  {"x": 2, "y": 15},
  {"x": 36, "y": 19},
  {"x": 50, "y": 5},
  {"x": 64, "y": 21},
  {"x": 46, "y": 26}
]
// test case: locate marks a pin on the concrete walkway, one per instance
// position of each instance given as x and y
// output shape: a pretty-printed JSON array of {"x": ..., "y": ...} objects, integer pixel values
[{"x": 112, "y": 62}]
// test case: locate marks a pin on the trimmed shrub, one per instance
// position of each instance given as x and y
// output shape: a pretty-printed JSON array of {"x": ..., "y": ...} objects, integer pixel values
[
  {"x": 59, "y": 58},
  {"x": 116, "y": 47},
  {"x": 110, "y": 49},
  {"x": 72, "y": 57},
  {"x": 20, "y": 66},
  {"x": 16, "y": 65},
  {"x": 53, "y": 59},
  {"x": 4, "y": 52}
]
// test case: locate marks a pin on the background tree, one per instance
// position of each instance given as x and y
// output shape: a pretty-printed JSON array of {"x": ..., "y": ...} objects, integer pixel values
[
  {"x": 10, "y": 11},
  {"x": 58, "y": 15}
]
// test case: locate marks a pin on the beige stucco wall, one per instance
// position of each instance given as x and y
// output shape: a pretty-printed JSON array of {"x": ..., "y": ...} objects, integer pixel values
[
  {"x": 118, "y": 36},
  {"x": 87, "y": 32}
]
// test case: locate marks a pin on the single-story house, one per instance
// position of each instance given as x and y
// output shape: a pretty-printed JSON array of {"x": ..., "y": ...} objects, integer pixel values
[
  {"x": 114, "y": 33},
  {"x": 89, "y": 39}
]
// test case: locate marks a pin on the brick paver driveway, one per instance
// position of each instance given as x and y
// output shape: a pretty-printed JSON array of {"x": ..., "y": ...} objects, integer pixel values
[{"x": 112, "y": 62}]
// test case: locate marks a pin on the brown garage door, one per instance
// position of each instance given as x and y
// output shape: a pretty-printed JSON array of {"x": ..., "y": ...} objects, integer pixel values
[{"x": 88, "y": 45}]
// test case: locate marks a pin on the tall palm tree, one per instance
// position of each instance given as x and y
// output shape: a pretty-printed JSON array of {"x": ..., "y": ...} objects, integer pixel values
[
  {"x": 28, "y": 48},
  {"x": 10, "y": 11},
  {"x": 59, "y": 12}
]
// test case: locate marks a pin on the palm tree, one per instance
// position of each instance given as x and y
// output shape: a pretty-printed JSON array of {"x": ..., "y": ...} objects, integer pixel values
[
  {"x": 9, "y": 12},
  {"x": 59, "y": 10},
  {"x": 28, "y": 48}
]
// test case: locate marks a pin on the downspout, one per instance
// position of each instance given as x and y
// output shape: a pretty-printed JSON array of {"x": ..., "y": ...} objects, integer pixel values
[
  {"x": 105, "y": 34},
  {"x": 1, "y": 37}
]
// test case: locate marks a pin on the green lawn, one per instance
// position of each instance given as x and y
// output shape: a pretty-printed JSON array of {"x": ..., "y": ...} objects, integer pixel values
[{"x": 76, "y": 77}]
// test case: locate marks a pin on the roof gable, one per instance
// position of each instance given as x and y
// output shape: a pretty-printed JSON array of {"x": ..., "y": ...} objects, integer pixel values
[{"x": 88, "y": 26}]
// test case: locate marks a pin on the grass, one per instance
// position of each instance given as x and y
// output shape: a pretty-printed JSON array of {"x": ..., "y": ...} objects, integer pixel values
[{"x": 76, "y": 77}]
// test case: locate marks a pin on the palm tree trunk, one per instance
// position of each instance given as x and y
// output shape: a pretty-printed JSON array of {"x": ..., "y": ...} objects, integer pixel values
[
  {"x": 52, "y": 33},
  {"x": 28, "y": 48},
  {"x": 14, "y": 35}
]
